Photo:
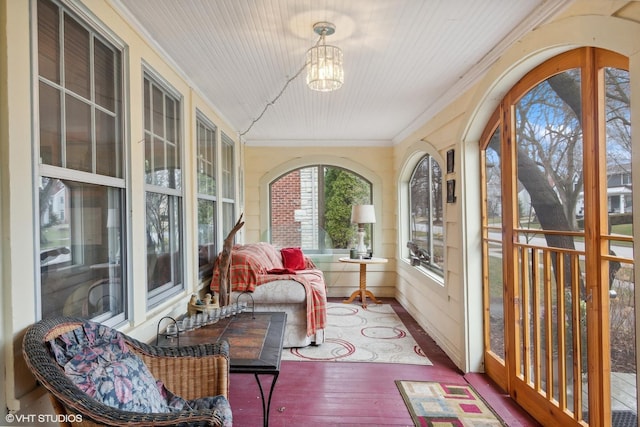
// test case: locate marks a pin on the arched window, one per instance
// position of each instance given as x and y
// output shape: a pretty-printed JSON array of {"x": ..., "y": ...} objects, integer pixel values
[
  {"x": 426, "y": 227},
  {"x": 310, "y": 207}
]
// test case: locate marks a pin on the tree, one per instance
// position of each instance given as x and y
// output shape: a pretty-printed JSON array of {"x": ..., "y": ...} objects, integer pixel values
[
  {"x": 343, "y": 189},
  {"x": 549, "y": 145}
]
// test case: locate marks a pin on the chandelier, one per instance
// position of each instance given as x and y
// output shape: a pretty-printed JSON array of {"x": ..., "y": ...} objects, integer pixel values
[
  {"x": 324, "y": 62},
  {"x": 324, "y": 68}
]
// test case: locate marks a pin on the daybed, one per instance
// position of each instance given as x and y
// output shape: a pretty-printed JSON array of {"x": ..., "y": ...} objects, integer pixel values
[{"x": 291, "y": 284}]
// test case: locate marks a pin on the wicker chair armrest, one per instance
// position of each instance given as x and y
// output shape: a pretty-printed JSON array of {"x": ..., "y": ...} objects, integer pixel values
[
  {"x": 95, "y": 413},
  {"x": 188, "y": 371}
]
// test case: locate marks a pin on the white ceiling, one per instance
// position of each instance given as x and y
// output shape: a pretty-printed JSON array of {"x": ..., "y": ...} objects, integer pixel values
[{"x": 403, "y": 59}]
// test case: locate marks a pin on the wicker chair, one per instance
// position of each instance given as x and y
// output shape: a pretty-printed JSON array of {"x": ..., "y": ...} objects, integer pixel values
[{"x": 189, "y": 371}]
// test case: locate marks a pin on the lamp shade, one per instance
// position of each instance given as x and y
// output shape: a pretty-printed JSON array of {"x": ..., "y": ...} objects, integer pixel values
[
  {"x": 112, "y": 218},
  {"x": 363, "y": 214}
]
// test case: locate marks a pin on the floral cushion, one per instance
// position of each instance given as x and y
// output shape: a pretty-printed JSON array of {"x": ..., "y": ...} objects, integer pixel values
[
  {"x": 88, "y": 334},
  {"x": 98, "y": 362},
  {"x": 219, "y": 403}
]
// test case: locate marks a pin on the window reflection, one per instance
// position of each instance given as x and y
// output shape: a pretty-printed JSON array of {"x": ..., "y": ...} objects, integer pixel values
[
  {"x": 207, "y": 196},
  {"x": 206, "y": 236},
  {"x": 80, "y": 249},
  {"x": 164, "y": 266},
  {"x": 427, "y": 227}
]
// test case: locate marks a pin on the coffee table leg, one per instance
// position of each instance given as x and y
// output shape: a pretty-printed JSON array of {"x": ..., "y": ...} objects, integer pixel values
[{"x": 266, "y": 404}]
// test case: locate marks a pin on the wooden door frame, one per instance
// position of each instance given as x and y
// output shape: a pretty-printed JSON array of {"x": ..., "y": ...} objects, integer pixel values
[{"x": 505, "y": 372}]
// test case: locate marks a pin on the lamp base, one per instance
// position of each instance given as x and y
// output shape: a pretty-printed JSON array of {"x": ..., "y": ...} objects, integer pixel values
[{"x": 361, "y": 249}]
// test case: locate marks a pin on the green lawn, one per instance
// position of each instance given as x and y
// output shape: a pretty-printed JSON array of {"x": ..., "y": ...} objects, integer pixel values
[
  {"x": 54, "y": 237},
  {"x": 624, "y": 229}
]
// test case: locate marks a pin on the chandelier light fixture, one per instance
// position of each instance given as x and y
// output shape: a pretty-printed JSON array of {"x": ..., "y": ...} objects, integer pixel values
[
  {"x": 324, "y": 62},
  {"x": 324, "y": 68}
]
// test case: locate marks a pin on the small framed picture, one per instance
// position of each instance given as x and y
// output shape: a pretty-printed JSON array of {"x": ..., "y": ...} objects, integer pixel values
[
  {"x": 451, "y": 191},
  {"x": 451, "y": 161}
]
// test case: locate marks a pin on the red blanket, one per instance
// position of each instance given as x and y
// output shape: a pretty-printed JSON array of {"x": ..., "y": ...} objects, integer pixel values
[{"x": 250, "y": 267}]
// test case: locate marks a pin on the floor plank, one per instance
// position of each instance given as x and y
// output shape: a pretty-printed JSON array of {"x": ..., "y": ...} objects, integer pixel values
[{"x": 357, "y": 394}]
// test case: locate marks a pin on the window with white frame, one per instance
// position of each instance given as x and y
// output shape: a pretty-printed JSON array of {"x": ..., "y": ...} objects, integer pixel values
[
  {"x": 206, "y": 133},
  {"x": 163, "y": 189},
  {"x": 81, "y": 155},
  {"x": 426, "y": 226},
  {"x": 228, "y": 188}
]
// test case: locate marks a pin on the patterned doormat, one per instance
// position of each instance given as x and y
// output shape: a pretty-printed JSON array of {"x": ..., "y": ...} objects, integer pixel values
[
  {"x": 432, "y": 403},
  {"x": 353, "y": 334},
  {"x": 619, "y": 418},
  {"x": 624, "y": 419}
]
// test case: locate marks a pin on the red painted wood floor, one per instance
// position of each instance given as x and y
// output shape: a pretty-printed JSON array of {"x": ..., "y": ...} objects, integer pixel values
[{"x": 357, "y": 394}]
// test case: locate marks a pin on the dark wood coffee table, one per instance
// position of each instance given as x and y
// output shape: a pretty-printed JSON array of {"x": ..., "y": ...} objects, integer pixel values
[{"x": 255, "y": 346}]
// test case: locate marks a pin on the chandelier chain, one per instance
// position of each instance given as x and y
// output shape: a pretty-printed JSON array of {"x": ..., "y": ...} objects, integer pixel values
[{"x": 273, "y": 101}]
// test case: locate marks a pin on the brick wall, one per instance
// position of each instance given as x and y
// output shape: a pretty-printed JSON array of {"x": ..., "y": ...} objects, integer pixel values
[{"x": 285, "y": 201}]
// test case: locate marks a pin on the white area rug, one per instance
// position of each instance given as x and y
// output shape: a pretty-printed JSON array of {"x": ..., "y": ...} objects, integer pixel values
[{"x": 354, "y": 334}]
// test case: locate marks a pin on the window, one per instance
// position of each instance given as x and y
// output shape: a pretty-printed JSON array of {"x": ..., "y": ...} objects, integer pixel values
[
  {"x": 426, "y": 233},
  {"x": 227, "y": 164},
  {"x": 311, "y": 208},
  {"x": 207, "y": 188},
  {"x": 163, "y": 178},
  {"x": 81, "y": 173}
]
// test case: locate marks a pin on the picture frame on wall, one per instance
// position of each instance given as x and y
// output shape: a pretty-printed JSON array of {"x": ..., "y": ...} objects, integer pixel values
[
  {"x": 450, "y": 161},
  {"x": 451, "y": 191}
]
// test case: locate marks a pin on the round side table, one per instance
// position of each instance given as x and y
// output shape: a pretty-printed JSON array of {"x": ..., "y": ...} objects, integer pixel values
[{"x": 362, "y": 291}]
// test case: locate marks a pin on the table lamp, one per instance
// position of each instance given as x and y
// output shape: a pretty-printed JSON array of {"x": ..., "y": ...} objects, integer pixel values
[{"x": 361, "y": 215}]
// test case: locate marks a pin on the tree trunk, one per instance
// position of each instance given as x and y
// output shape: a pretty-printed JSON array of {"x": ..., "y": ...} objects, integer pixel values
[{"x": 544, "y": 199}]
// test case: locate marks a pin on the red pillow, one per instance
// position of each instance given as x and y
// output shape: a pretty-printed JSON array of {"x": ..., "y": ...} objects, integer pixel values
[{"x": 293, "y": 258}]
